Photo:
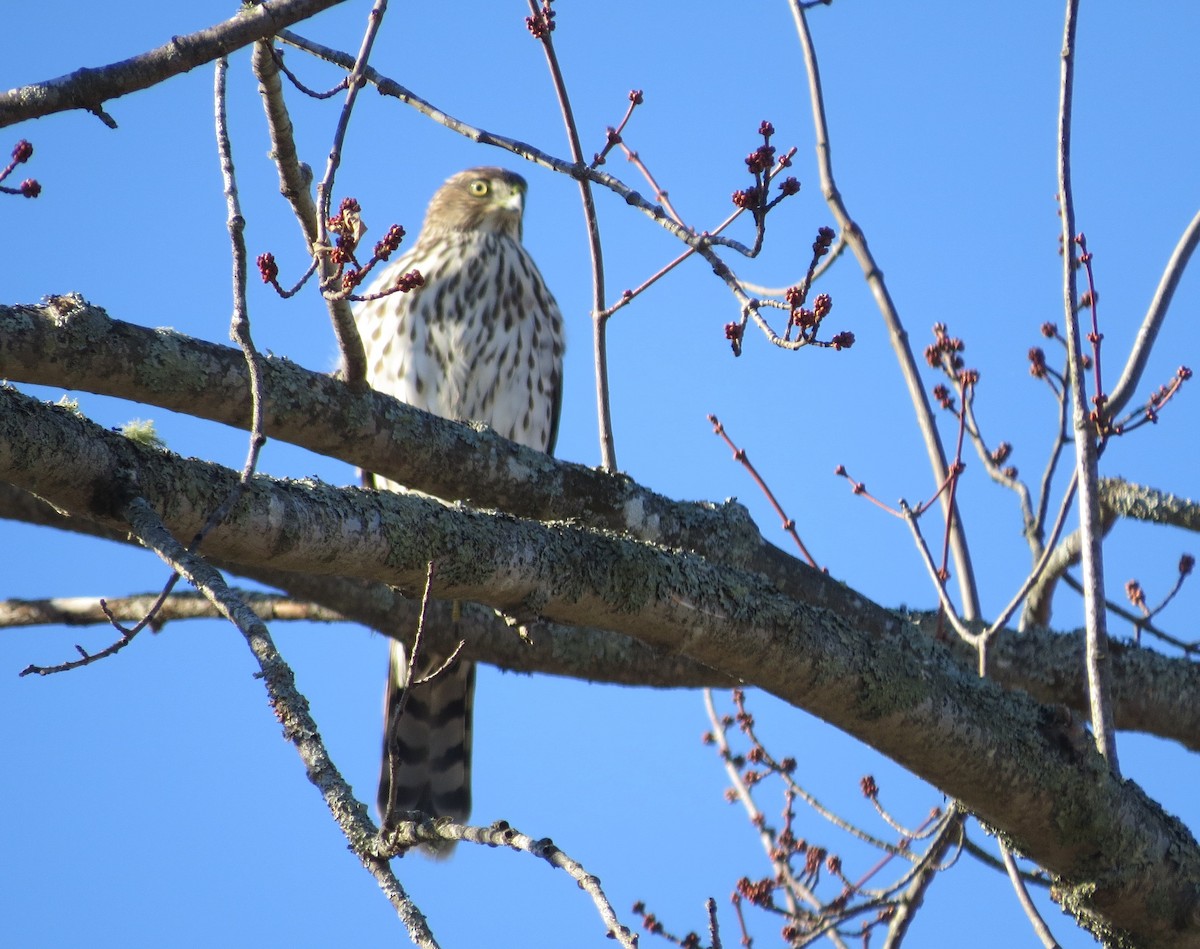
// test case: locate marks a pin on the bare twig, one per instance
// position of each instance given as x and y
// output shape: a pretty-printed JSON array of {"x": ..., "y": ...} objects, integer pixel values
[
  {"x": 660, "y": 193},
  {"x": 87, "y": 658},
  {"x": 796, "y": 890},
  {"x": 86, "y": 610},
  {"x": 949, "y": 834},
  {"x": 936, "y": 576},
  {"x": 408, "y": 834},
  {"x": 295, "y": 183},
  {"x": 239, "y": 329},
  {"x": 739, "y": 454},
  {"x": 1018, "y": 883},
  {"x": 1037, "y": 574},
  {"x": 608, "y": 451},
  {"x": 1099, "y": 674},
  {"x": 835, "y": 252},
  {"x": 394, "y": 761},
  {"x": 354, "y": 82},
  {"x": 714, "y": 931},
  {"x": 1139, "y": 355}
]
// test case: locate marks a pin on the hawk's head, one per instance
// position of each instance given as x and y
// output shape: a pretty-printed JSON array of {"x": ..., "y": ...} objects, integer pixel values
[{"x": 479, "y": 199}]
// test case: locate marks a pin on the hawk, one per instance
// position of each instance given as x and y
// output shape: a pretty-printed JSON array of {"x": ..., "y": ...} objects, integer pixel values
[{"x": 480, "y": 340}]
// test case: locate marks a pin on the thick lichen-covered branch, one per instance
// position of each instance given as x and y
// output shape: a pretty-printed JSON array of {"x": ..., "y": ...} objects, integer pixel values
[{"x": 1019, "y": 766}]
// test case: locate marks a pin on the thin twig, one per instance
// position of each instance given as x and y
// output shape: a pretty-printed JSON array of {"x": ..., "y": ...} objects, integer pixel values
[
  {"x": 794, "y": 886},
  {"x": 660, "y": 193},
  {"x": 86, "y": 611},
  {"x": 409, "y": 834},
  {"x": 714, "y": 931},
  {"x": 835, "y": 252},
  {"x": 239, "y": 329},
  {"x": 713, "y": 236},
  {"x": 1139, "y": 355},
  {"x": 1062, "y": 438},
  {"x": 936, "y": 576},
  {"x": 1035, "y": 918},
  {"x": 874, "y": 276},
  {"x": 739, "y": 454},
  {"x": 1036, "y": 574},
  {"x": 950, "y": 833},
  {"x": 608, "y": 451},
  {"x": 354, "y": 82},
  {"x": 1138, "y": 622},
  {"x": 394, "y": 761},
  {"x": 995, "y": 472}
]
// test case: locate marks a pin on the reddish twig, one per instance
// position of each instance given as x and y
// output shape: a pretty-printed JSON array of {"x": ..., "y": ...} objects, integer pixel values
[
  {"x": 660, "y": 193},
  {"x": 613, "y": 135},
  {"x": 1099, "y": 415},
  {"x": 739, "y": 455}
]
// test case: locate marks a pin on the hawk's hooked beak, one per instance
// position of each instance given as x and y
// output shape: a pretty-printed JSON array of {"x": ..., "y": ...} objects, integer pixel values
[{"x": 515, "y": 200}]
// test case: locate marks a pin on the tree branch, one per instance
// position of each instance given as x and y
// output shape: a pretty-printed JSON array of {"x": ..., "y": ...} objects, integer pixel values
[
  {"x": 456, "y": 461},
  {"x": 1121, "y": 861},
  {"x": 90, "y": 88},
  {"x": 440, "y": 457}
]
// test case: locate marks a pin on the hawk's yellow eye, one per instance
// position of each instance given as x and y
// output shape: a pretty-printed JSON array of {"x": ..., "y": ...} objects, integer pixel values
[{"x": 479, "y": 187}]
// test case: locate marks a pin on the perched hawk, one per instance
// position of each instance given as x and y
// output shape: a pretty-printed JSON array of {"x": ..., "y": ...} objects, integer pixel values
[{"x": 480, "y": 340}]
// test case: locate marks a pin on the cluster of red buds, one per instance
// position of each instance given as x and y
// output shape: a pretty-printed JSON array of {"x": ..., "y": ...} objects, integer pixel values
[
  {"x": 346, "y": 229},
  {"x": 762, "y": 159},
  {"x": 943, "y": 397},
  {"x": 807, "y": 320},
  {"x": 761, "y": 163},
  {"x": 943, "y": 351},
  {"x": 757, "y": 892},
  {"x": 409, "y": 281},
  {"x": 268, "y": 269},
  {"x": 747, "y": 198},
  {"x": 391, "y": 241},
  {"x": 541, "y": 24},
  {"x": 999, "y": 456},
  {"x": 1037, "y": 362},
  {"x": 21, "y": 153}
]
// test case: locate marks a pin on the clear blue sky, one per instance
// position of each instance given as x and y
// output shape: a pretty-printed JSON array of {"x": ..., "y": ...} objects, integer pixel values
[{"x": 131, "y": 820}]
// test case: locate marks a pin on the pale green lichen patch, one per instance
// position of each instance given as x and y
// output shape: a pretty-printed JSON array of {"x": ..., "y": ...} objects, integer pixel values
[{"x": 141, "y": 431}]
